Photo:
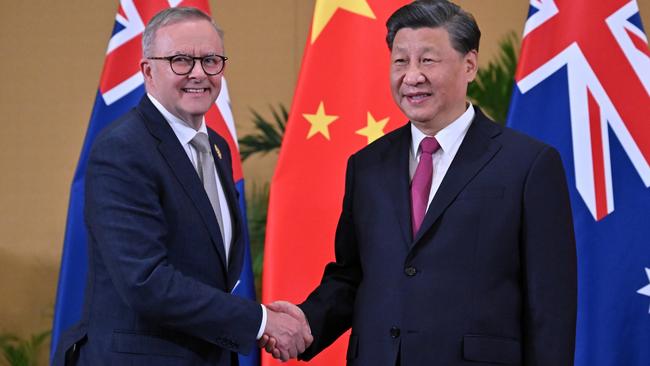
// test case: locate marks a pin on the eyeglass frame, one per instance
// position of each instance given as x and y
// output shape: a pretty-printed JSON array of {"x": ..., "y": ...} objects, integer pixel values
[{"x": 194, "y": 58}]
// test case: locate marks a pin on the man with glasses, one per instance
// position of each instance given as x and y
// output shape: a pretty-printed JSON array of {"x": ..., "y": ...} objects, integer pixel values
[{"x": 164, "y": 230}]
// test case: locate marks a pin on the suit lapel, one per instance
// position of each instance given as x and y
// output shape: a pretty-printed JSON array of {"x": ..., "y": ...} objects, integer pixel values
[
  {"x": 180, "y": 165},
  {"x": 396, "y": 178},
  {"x": 223, "y": 164},
  {"x": 476, "y": 150}
]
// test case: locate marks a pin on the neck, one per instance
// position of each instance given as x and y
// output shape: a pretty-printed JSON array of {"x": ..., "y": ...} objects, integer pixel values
[
  {"x": 194, "y": 122},
  {"x": 440, "y": 121}
]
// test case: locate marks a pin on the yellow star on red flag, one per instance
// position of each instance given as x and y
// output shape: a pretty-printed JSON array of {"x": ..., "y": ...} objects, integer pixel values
[
  {"x": 345, "y": 65},
  {"x": 374, "y": 129},
  {"x": 319, "y": 122},
  {"x": 325, "y": 10}
]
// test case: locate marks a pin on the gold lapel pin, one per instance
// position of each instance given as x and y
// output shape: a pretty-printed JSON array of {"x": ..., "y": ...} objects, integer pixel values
[{"x": 218, "y": 151}]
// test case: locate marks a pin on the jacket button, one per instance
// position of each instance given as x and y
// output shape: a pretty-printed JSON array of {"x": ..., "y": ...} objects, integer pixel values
[
  {"x": 410, "y": 271},
  {"x": 394, "y": 332}
]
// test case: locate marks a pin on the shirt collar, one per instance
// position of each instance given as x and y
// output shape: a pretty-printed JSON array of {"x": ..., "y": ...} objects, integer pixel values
[
  {"x": 448, "y": 135},
  {"x": 183, "y": 131}
]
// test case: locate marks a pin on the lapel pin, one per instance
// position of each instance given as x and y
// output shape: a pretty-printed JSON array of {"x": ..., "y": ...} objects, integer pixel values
[{"x": 218, "y": 151}]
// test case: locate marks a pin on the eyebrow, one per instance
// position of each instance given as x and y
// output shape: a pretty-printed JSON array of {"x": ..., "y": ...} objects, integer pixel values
[{"x": 424, "y": 49}]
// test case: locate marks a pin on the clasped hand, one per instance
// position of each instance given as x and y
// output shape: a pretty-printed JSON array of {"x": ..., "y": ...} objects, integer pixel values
[{"x": 287, "y": 333}]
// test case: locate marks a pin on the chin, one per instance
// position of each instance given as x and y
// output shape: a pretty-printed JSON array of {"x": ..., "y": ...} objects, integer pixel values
[
  {"x": 201, "y": 108},
  {"x": 415, "y": 117}
]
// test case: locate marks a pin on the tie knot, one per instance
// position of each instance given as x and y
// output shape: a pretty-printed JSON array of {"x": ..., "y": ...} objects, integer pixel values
[
  {"x": 429, "y": 145},
  {"x": 201, "y": 142}
]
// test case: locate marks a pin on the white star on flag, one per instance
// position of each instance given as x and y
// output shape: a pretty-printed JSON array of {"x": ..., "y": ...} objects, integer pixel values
[{"x": 646, "y": 290}]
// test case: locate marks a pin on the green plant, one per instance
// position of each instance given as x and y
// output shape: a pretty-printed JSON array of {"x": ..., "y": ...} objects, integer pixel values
[
  {"x": 21, "y": 352},
  {"x": 492, "y": 88},
  {"x": 257, "y": 204},
  {"x": 268, "y": 135},
  {"x": 266, "y": 138}
]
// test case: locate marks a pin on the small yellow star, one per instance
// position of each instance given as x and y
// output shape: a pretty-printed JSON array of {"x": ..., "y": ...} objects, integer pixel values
[
  {"x": 320, "y": 122},
  {"x": 325, "y": 9},
  {"x": 374, "y": 129}
]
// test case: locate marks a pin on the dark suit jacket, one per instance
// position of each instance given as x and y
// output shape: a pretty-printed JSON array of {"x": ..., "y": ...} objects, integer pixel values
[
  {"x": 489, "y": 279},
  {"x": 158, "y": 290}
]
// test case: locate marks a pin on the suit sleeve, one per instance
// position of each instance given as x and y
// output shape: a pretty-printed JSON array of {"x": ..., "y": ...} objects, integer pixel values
[
  {"x": 127, "y": 224},
  {"x": 549, "y": 260},
  {"x": 329, "y": 307}
]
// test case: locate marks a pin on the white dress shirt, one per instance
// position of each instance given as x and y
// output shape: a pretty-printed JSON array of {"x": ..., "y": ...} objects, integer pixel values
[
  {"x": 184, "y": 133},
  {"x": 449, "y": 139}
]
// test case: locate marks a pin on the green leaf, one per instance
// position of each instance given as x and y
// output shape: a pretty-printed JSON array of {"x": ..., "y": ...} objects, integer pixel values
[
  {"x": 267, "y": 136},
  {"x": 21, "y": 352},
  {"x": 492, "y": 88},
  {"x": 257, "y": 205}
]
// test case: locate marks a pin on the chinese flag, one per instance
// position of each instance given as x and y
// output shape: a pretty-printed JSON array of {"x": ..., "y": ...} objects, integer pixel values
[{"x": 342, "y": 103}]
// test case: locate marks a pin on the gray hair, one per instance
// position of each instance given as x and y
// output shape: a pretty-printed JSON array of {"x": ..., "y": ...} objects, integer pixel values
[
  {"x": 464, "y": 33},
  {"x": 172, "y": 16}
]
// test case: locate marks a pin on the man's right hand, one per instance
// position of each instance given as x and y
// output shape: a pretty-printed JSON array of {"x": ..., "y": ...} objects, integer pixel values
[{"x": 289, "y": 335}]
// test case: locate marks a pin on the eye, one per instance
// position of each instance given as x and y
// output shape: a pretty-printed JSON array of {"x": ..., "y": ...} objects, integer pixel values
[
  {"x": 182, "y": 60},
  {"x": 430, "y": 60},
  {"x": 211, "y": 61},
  {"x": 399, "y": 61}
]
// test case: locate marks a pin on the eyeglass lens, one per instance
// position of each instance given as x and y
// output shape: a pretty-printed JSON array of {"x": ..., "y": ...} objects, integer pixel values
[{"x": 182, "y": 64}]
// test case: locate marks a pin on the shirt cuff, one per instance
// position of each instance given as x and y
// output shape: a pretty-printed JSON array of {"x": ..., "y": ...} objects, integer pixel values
[{"x": 260, "y": 332}]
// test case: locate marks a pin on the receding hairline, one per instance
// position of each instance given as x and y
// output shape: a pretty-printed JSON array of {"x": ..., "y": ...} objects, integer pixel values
[{"x": 173, "y": 16}]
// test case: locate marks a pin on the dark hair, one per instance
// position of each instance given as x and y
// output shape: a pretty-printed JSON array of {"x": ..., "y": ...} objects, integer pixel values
[
  {"x": 464, "y": 34},
  {"x": 171, "y": 16}
]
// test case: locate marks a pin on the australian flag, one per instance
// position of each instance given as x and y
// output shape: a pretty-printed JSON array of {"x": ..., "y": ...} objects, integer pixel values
[
  {"x": 120, "y": 89},
  {"x": 583, "y": 86}
]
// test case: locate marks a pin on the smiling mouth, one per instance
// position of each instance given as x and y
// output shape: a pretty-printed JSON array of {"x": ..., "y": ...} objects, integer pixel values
[
  {"x": 195, "y": 90},
  {"x": 417, "y": 97}
]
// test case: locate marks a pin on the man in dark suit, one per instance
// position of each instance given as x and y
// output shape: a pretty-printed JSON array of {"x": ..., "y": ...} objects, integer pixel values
[
  {"x": 455, "y": 243},
  {"x": 165, "y": 234}
]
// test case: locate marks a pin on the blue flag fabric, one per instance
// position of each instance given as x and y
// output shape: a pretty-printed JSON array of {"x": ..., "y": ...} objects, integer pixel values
[
  {"x": 583, "y": 86},
  {"x": 121, "y": 87}
]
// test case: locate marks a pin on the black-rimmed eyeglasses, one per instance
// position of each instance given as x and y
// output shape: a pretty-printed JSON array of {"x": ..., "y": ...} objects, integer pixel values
[{"x": 184, "y": 64}]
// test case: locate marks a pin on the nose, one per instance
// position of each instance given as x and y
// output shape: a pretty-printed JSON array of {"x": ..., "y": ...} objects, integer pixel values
[
  {"x": 197, "y": 70},
  {"x": 413, "y": 75}
]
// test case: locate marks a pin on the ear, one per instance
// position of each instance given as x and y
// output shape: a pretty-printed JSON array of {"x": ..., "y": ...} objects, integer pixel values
[
  {"x": 471, "y": 65},
  {"x": 145, "y": 68}
]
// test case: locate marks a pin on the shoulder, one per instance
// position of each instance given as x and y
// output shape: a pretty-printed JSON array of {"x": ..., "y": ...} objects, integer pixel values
[
  {"x": 397, "y": 137},
  {"x": 125, "y": 137},
  {"x": 141, "y": 124},
  {"x": 129, "y": 125},
  {"x": 515, "y": 144}
]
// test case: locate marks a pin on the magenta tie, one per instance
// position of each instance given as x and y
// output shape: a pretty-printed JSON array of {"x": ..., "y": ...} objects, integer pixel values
[{"x": 421, "y": 184}]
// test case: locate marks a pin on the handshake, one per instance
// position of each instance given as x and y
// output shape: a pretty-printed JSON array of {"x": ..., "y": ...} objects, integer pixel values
[{"x": 287, "y": 333}]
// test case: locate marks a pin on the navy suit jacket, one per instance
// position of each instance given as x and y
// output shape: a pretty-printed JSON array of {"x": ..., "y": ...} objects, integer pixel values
[
  {"x": 490, "y": 278},
  {"x": 158, "y": 290}
]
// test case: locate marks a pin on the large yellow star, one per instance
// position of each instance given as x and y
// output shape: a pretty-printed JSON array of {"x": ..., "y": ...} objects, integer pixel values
[
  {"x": 325, "y": 9},
  {"x": 319, "y": 122},
  {"x": 374, "y": 129}
]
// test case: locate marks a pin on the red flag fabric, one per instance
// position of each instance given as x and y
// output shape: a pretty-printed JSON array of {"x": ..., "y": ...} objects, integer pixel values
[{"x": 342, "y": 103}]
